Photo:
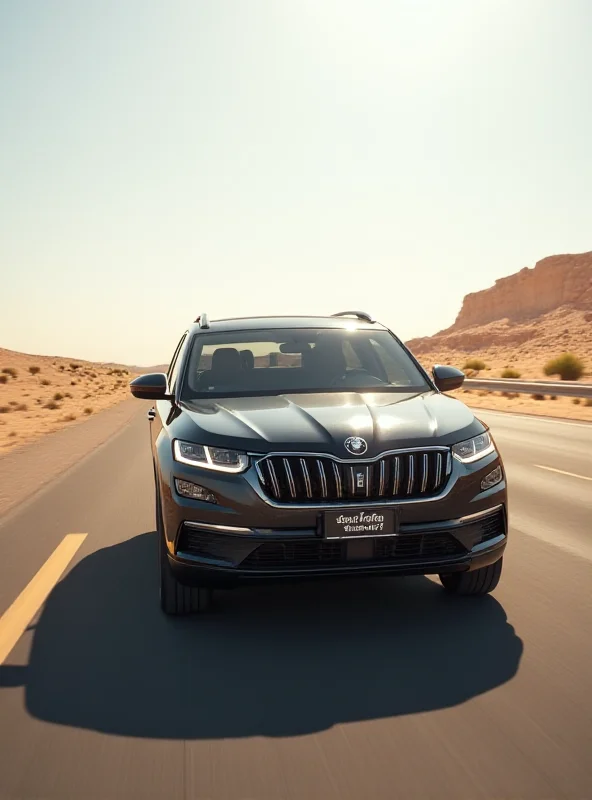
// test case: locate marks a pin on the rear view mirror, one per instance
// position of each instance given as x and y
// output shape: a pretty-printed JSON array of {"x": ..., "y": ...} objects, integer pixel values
[
  {"x": 447, "y": 378},
  {"x": 153, "y": 386},
  {"x": 294, "y": 348}
]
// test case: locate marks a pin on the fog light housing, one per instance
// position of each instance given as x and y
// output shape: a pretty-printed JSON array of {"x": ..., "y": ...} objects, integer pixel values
[
  {"x": 493, "y": 478},
  {"x": 194, "y": 491}
]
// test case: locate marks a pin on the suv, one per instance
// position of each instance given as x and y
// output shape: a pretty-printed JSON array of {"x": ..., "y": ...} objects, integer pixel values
[{"x": 300, "y": 447}]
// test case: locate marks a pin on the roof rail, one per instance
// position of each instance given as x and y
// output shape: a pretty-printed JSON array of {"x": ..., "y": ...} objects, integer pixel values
[
  {"x": 358, "y": 314},
  {"x": 203, "y": 320}
]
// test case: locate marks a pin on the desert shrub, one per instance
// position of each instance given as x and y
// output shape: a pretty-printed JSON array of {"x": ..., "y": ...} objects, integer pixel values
[
  {"x": 568, "y": 366},
  {"x": 553, "y": 397},
  {"x": 101, "y": 387},
  {"x": 475, "y": 363},
  {"x": 3, "y": 378},
  {"x": 73, "y": 383},
  {"x": 10, "y": 371},
  {"x": 62, "y": 367},
  {"x": 88, "y": 410},
  {"x": 538, "y": 396},
  {"x": 510, "y": 373},
  {"x": 75, "y": 366},
  {"x": 4, "y": 409},
  {"x": 52, "y": 405},
  {"x": 58, "y": 396},
  {"x": 70, "y": 417},
  {"x": 588, "y": 402},
  {"x": 21, "y": 407},
  {"x": 13, "y": 403},
  {"x": 34, "y": 370},
  {"x": 45, "y": 382},
  {"x": 576, "y": 401},
  {"x": 67, "y": 394},
  {"x": 12, "y": 434}
]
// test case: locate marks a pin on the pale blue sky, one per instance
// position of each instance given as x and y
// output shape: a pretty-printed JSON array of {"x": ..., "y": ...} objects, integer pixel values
[{"x": 158, "y": 159}]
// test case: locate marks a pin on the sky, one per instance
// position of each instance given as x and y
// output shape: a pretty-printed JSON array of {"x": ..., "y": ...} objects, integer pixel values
[{"x": 159, "y": 159}]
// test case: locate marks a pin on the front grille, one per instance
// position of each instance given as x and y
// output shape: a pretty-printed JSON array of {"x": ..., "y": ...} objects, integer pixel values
[
  {"x": 318, "y": 553},
  {"x": 305, "y": 479}
]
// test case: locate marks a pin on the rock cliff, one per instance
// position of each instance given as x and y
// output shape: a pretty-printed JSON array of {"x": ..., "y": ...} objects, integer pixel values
[
  {"x": 554, "y": 298},
  {"x": 564, "y": 280}
]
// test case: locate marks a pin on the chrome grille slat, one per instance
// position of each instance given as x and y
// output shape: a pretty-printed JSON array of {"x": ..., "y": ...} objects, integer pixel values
[
  {"x": 298, "y": 478},
  {"x": 306, "y": 476},
  {"x": 410, "y": 473},
  {"x": 425, "y": 469},
  {"x": 274, "y": 480},
  {"x": 338, "y": 484},
  {"x": 397, "y": 475},
  {"x": 382, "y": 477},
  {"x": 438, "y": 469},
  {"x": 322, "y": 477},
  {"x": 290, "y": 477}
]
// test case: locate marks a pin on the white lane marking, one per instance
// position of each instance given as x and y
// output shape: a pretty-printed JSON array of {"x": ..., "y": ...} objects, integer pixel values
[
  {"x": 486, "y": 411},
  {"x": 563, "y": 472},
  {"x": 14, "y": 621}
]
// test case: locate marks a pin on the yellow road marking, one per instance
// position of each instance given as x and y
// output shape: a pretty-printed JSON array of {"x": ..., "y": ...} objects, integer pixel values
[
  {"x": 563, "y": 472},
  {"x": 15, "y": 620}
]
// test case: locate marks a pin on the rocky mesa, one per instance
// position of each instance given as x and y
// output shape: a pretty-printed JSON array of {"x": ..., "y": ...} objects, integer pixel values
[{"x": 544, "y": 308}]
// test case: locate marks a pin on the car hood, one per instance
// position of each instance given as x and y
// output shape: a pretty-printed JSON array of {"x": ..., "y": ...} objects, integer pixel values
[{"x": 322, "y": 422}]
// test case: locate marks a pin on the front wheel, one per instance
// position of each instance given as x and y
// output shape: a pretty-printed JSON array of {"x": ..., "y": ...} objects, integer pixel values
[
  {"x": 479, "y": 581},
  {"x": 175, "y": 598}
]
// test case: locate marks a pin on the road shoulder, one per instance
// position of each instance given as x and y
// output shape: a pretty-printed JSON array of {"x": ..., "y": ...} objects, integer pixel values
[{"x": 24, "y": 472}]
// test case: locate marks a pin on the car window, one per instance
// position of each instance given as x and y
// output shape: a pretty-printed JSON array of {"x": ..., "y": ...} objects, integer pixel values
[
  {"x": 389, "y": 363},
  {"x": 298, "y": 360}
]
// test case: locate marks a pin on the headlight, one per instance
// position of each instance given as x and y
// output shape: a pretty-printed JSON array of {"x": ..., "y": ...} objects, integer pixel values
[
  {"x": 198, "y": 455},
  {"x": 473, "y": 449}
]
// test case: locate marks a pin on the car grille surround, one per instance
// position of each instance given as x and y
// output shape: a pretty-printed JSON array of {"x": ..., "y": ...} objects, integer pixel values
[{"x": 297, "y": 479}]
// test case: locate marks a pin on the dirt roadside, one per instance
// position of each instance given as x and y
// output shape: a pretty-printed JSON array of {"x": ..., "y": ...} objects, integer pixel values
[{"x": 25, "y": 471}]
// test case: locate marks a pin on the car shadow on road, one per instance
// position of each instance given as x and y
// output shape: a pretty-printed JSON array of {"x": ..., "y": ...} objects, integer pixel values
[{"x": 267, "y": 661}]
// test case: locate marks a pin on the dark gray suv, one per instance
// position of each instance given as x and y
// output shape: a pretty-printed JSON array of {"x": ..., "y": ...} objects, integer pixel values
[{"x": 303, "y": 447}]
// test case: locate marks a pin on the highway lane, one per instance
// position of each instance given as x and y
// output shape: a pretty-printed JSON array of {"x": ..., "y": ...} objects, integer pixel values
[
  {"x": 545, "y": 501},
  {"x": 378, "y": 688}
]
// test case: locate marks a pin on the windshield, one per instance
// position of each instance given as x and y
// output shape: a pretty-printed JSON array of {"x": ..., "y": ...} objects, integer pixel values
[{"x": 299, "y": 360}]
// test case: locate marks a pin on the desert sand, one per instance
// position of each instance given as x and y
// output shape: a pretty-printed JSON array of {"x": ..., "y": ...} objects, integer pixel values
[{"x": 42, "y": 394}]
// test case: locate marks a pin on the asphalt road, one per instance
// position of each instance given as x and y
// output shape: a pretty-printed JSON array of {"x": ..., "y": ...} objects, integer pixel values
[{"x": 384, "y": 688}]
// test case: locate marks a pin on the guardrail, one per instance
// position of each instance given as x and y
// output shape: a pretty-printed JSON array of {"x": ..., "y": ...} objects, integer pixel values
[{"x": 557, "y": 388}]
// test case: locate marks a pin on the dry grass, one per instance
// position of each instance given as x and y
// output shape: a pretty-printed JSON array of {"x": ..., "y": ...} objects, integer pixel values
[{"x": 58, "y": 392}]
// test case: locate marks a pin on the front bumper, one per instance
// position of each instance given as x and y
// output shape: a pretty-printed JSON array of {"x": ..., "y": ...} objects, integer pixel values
[
  {"x": 245, "y": 538},
  {"x": 211, "y": 556}
]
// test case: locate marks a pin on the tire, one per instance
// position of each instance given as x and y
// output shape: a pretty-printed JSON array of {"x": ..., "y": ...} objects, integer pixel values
[
  {"x": 479, "y": 582},
  {"x": 176, "y": 599}
]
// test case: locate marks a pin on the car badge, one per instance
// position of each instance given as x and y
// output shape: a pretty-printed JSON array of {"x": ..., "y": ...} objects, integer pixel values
[{"x": 356, "y": 445}]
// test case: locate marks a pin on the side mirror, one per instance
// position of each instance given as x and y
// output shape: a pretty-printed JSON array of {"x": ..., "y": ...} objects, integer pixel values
[
  {"x": 150, "y": 387},
  {"x": 447, "y": 378}
]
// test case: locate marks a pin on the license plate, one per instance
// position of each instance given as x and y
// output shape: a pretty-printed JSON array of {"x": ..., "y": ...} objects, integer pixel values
[{"x": 356, "y": 522}]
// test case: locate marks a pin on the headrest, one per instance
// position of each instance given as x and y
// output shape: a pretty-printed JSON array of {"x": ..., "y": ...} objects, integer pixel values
[
  {"x": 247, "y": 358},
  {"x": 226, "y": 359}
]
